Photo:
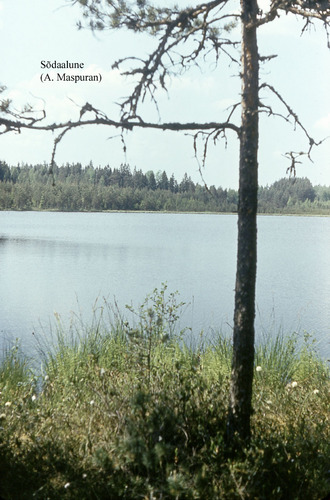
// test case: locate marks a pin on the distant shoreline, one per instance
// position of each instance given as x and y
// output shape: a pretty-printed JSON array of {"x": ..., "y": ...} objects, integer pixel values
[{"x": 261, "y": 214}]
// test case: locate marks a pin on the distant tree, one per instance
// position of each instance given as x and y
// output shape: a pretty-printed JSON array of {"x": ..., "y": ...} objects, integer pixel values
[
  {"x": 173, "y": 185},
  {"x": 152, "y": 184},
  {"x": 90, "y": 173},
  {"x": 163, "y": 183},
  {"x": 295, "y": 189},
  {"x": 76, "y": 170},
  {"x": 125, "y": 175},
  {"x": 322, "y": 193},
  {"x": 5, "y": 174},
  {"x": 140, "y": 180},
  {"x": 304, "y": 189},
  {"x": 186, "y": 185}
]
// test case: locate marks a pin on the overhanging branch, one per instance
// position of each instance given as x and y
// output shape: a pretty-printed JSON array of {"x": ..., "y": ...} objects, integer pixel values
[
  {"x": 291, "y": 114},
  {"x": 16, "y": 125},
  {"x": 100, "y": 118},
  {"x": 308, "y": 9}
]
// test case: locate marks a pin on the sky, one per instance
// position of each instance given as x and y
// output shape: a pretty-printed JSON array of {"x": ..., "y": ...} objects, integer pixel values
[{"x": 35, "y": 31}]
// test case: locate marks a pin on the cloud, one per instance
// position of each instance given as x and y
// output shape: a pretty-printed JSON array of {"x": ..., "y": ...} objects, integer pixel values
[
  {"x": 224, "y": 104},
  {"x": 1, "y": 8},
  {"x": 264, "y": 5},
  {"x": 184, "y": 83},
  {"x": 323, "y": 123},
  {"x": 63, "y": 100}
]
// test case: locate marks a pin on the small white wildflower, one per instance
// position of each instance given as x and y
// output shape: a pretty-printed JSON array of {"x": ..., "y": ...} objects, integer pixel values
[
  {"x": 66, "y": 485},
  {"x": 160, "y": 438},
  {"x": 84, "y": 476},
  {"x": 34, "y": 397},
  {"x": 258, "y": 369},
  {"x": 8, "y": 403},
  {"x": 92, "y": 402},
  {"x": 294, "y": 384},
  {"x": 316, "y": 391}
]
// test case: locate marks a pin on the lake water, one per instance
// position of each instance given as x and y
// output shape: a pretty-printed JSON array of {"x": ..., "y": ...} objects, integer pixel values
[{"x": 62, "y": 262}]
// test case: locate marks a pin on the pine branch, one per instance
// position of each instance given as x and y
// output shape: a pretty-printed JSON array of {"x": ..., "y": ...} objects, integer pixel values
[{"x": 308, "y": 9}]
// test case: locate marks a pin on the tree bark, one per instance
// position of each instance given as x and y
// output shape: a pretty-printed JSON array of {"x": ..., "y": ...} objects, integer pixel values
[{"x": 240, "y": 407}]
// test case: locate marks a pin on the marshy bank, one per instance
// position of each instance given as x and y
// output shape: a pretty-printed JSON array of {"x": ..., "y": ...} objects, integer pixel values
[{"x": 127, "y": 409}]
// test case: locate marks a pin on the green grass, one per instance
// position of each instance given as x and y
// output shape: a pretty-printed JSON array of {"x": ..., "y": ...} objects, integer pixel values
[{"x": 126, "y": 410}]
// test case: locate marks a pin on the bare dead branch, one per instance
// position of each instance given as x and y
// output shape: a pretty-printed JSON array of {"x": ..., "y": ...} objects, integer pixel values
[
  {"x": 233, "y": 109},
  {"x": 270, "y": 112},
  {"x": 21, "y": 122},
  {"x": 14, "y": 125},
  {"x": 291, "y": 114},
  {"x": 293, "y": 157},
  {"x": 267, "y": 58},
  {"x": 215, "y": 135},
  {"x": 52, "y": 161},
  {"x": 206, "y": 137}
]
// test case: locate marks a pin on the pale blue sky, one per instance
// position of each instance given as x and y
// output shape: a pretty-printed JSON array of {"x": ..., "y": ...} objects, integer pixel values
[{"x": 45, "y": 30}]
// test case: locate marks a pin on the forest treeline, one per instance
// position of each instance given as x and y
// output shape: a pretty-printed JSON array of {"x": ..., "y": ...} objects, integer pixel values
[{"x": 78, "y": 188}]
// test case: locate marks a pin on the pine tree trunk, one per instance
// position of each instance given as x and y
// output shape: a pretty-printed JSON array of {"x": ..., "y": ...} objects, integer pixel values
[{"x": 240, "y": 407}]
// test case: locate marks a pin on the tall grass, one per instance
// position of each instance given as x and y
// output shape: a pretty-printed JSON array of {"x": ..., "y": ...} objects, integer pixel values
[
  {"x": 15, "y": 371},
  {"x": 125, "y": 409}
]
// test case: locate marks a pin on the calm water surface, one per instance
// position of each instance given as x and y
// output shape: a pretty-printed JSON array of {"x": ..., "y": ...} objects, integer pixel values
[{"x": 62, "y": 262}]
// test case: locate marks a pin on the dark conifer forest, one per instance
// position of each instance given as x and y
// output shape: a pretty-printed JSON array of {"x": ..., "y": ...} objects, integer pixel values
[{"x": 74, "y": 187}]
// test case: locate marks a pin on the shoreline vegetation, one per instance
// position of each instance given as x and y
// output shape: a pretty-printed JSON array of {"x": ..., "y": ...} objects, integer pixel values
[
  {"x": 274, "y": 214},
  {"x": 103, "y": 189},
  {"x": 127, "y": 407}
]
